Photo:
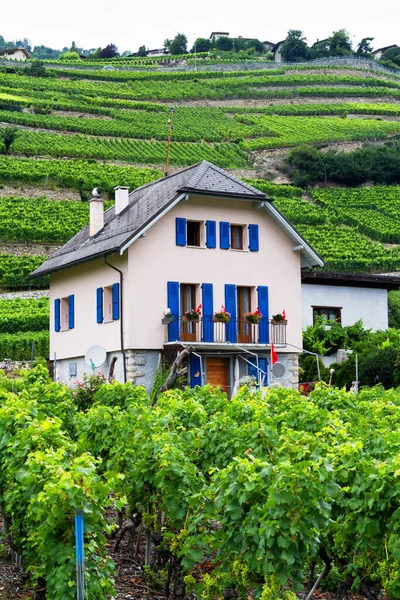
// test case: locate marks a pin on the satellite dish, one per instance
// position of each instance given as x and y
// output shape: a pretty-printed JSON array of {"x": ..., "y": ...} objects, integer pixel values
[
  {"x": 96, "y": 193},
  {"x": 95, "y": 356},
  {"x": 278, "y": 370}
]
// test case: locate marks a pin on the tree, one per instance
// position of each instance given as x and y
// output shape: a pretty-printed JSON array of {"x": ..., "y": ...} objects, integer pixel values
[
  {"x": 8, "y": 135},
  {"x": 364, "y": 47},
  {"x": 295, "y": 48},
  {"x": 142, "y": 51},
  {"x": 36, "y": 69},
  {"x": 201, "y": 45},
  {"x": 340, "y": 43},
  {"x": 257, "y": 45},
  {"x": 393, "y": 55},
  {"x": 319, "y": 50},
  {"x": 224, "y": 44},
  {"x": 74, "y": 48},
  {"x": 239, "y": 44},
  {"x": 178, "y": 45},
  {"x": 109, "y": 51},
  {"x": 394, "y": 308},
  {"x": 69, "y": 56}
]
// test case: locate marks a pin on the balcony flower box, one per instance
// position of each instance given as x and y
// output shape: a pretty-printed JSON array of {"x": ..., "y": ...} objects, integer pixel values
[
  {"x": 168, "y": 317},
  {"x": 253, "y": 317},
  {"x": 167, "y": 320},
  {"x": 192, "y": 315},
  {"x": 279, "y": 319},
  {"x": 222, "y": 316}
]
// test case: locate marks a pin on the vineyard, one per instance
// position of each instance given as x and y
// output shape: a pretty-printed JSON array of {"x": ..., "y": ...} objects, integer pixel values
[
  {"x": 252, "y": 498},
  {"x": 87, "y": 127}
]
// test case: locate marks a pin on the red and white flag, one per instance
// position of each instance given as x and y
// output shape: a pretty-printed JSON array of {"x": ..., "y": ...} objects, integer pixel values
[{"x": 274, "y": 356}]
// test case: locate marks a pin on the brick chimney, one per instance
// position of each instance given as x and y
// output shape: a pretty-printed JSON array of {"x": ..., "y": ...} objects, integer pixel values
[
  {"x": 121, "y": 198},
  {"x": 96, "y": 213}
]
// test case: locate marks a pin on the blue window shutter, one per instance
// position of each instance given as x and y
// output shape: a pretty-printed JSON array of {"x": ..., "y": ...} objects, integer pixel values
[
  {"x": 211, "y": 234},
  {"x": 99, "y": 305},
  {"x": 173, "y": 305},
  {"x": 253, "y": 238},
  {"x": 195, "y": 371},
  {"x": 263, "y": 326},
  {"x": 224, "y": 231},
  {"x": 71, "y": 311},
  {"x": 180, "y": 230},
  {"x": 115, "y": 301},
  {"x": 230, "y": 305},
  {"x": 208, "y": 310},
  {"x": 57, "y": 309}
]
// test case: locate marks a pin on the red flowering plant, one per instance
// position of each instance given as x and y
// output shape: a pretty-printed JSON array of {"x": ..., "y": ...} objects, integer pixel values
[
  {"x": 253, "y": 317},
  {"x": 193, "y": 314},
  {"x": 222, "y": 315}
]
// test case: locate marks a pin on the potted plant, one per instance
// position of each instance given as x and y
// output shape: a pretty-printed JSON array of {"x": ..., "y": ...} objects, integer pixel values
[
  {"x": 193, "y": 314},
  {"x": 279, "y": 319},
  {"x": 253, "y": 317},
  {"x": 168, "y": 316},
  {"x": 221, "y": 316}
]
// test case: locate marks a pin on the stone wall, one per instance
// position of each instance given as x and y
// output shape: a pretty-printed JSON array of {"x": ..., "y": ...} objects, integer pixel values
[{"x": 28, "y": 294}]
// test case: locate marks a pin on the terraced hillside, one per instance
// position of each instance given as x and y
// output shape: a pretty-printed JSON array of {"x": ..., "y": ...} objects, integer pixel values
[{"x": 80, "y": 128}]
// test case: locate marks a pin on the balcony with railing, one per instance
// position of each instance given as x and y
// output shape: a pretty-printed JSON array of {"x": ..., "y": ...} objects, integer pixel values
[{"x": 237, "y": 331}]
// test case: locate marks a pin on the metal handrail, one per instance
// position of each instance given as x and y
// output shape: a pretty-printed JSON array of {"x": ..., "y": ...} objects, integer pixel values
[{"x": 208, "y": 329}]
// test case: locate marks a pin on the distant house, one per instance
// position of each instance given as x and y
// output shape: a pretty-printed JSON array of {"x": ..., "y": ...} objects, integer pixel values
[
  {"x": 14, "y": 53},
  {"x": 347, "y": 298},
  {"x": 377, "y": 54},
  {"x": 156, "y": 52},
  {"x": 197, "y": 237},
  {"x": 269, "y": 46},
  {"x": 277, "y": 51},
  {"x": 318, "y": 42},
  {"x": 215, "y": 35}
]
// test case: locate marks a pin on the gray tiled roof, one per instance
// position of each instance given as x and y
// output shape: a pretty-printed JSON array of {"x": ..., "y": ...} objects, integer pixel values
[{"x": 145, "y": 204}]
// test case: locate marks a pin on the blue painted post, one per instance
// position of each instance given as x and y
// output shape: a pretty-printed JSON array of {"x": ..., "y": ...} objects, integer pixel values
[{"x": 80, "y": 557}]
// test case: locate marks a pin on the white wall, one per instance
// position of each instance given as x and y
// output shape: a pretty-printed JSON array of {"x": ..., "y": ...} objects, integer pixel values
[
  {"x": 156, "y": 259},
  {"x": 368, "y": 304},
  {"x": 82, "y": 281}
]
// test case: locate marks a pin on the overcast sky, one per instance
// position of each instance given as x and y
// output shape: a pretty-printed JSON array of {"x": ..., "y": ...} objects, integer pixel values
[{"x": 94, "y": 23}]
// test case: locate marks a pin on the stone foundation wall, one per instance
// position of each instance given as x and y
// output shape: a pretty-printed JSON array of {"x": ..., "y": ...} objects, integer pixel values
[
  {"x": 291, "y": 376},
  {"x": 141, "y": 367}
]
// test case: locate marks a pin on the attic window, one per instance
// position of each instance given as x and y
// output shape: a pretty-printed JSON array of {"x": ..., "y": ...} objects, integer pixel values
[{"x": 193, "y": 233}]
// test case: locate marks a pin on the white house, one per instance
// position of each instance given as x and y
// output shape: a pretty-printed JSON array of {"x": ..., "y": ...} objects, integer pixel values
[
  {"x": 15, "y": 53},
  {"x": 215, "y": 35},
  {"x": 197, "y": 237},
  {"x": 347, "y": 298},
  {"x": 277, "y": 51},
  {"x": 377, "y": 53}
]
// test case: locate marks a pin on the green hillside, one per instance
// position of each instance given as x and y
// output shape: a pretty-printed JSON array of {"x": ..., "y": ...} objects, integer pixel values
[{"x": 81, "y": 128}]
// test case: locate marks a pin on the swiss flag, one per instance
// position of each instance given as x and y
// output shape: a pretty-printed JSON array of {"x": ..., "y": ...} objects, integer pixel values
[{"x": 274, "y": 356}]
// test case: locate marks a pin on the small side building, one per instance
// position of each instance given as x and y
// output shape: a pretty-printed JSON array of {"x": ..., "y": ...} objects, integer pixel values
[{"x": 347, "y": 298}]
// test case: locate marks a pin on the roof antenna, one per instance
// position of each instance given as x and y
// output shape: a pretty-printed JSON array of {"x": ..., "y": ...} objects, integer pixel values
[{"x": 170, "y": 128}]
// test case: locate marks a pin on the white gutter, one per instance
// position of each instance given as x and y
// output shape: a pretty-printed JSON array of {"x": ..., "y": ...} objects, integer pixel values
[{"x": 157, "y": 218}]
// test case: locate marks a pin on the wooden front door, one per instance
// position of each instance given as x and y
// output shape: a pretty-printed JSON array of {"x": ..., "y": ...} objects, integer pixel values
[{"x": 218, "y": 372}]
